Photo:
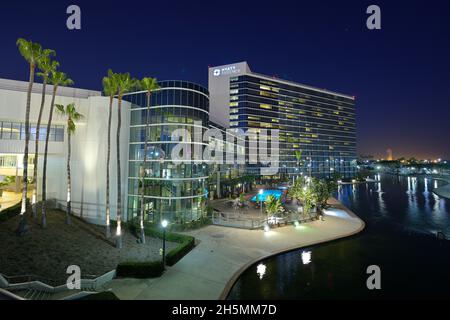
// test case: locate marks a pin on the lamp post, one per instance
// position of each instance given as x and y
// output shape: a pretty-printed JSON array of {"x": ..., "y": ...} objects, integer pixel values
[
  {"x": 164, "y": 224},
  {"x": 260, "y": 193}
]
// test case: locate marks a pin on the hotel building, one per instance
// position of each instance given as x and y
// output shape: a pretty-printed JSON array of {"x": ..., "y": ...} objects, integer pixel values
[{"x": 319, "y": 123}]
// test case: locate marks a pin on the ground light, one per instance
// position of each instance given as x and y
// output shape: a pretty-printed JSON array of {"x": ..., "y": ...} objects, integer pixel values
[
  {"x": 266, "y": 228},
  {"x": 306, "y": 257},
  {"x": 296, "y": 224},
  {"x": 164, "y": 224},
  {"x": 261, "y": 270}
]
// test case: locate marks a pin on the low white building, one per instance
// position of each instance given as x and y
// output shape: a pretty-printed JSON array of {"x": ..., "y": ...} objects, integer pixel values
[{"x": 89, "y": 146}]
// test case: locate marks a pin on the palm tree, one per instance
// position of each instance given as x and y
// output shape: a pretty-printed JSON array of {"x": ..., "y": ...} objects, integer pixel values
[
  {"x": 57, "y": 79},
  {"x": 110, "y": 89},
  {"x": 72, "y": 116},
  {"x": 32, "y": 53},
  {"x": 273, "y": 206},
  {"x": 46, "y": 66},
  {"x": 125, "y": 84},
  {"x": 148, "y": 84}
]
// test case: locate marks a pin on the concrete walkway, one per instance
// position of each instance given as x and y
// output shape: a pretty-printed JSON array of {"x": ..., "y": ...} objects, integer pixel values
[
  {"x": 210, "y": 269},
  {"x": 443, "y": 191},
  {"x": 9, "y": 199}
]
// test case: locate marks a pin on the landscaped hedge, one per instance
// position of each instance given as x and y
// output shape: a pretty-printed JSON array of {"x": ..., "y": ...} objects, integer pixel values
[
  {"x": 151, "y": 269},
  {"x": 10, "y": 212},
  {"x": 186, "y": 243},
  {"x": 133, "y": 269},
  {"x": 174, "y": 255}
]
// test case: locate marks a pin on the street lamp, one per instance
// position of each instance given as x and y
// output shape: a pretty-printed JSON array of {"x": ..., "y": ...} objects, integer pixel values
[{"x": 164, "y": 224}]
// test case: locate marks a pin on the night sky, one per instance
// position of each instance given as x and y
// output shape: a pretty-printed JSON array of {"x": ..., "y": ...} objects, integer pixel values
[{"x": 400, "y": 74}]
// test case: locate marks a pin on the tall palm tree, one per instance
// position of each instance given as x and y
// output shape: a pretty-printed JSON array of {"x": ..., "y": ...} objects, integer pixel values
[
  {"x": 32, "y": 53},
  {"x": 47, "y": 66},
  {"x": 72, "y": 116},
  {"x": 148, "y": 84},
  {"x": 110, "y": 89},
  {"x": 125, "y": 84},
  {"x": 57, "y": 79}
]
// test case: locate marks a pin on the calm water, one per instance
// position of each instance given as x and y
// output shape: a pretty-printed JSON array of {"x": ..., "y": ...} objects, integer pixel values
[{"x": 402, "y": 215}]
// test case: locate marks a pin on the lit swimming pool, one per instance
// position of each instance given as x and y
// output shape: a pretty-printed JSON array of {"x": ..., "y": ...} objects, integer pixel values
[{"x": 276, "y": 193}]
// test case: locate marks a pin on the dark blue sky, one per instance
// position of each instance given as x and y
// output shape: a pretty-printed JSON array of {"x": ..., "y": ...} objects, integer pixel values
[{"x": 400, "y": 74}]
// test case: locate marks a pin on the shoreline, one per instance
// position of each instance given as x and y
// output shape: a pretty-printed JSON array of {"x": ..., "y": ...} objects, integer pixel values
[
  {"x": 444, "y": 191},
  {"x": 229, "y": 286},
  {"x": 210, "y": 270}
]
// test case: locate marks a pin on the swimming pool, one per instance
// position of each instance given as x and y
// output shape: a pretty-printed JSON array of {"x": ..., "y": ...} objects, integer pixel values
[{"x": 276, "y": 193}]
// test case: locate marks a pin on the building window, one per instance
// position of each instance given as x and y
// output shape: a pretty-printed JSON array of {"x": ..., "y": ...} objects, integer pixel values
[{"x": 16, "y": 131}]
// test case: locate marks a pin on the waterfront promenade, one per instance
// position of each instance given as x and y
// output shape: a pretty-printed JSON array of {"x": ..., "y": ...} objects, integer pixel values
[
  {"x": 443, "y": 191},
  {"x": 222, "y": 253}
]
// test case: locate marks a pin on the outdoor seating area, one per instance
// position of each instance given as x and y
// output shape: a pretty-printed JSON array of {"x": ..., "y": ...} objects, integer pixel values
[{"x": 265, "y": 208}]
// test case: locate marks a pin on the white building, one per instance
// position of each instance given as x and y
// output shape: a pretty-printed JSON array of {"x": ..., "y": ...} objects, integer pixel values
[{"x": 89, "y": 145}]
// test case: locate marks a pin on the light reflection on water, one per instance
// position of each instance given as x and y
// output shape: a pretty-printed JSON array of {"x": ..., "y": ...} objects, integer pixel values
[{"x": 402, "y": 215}]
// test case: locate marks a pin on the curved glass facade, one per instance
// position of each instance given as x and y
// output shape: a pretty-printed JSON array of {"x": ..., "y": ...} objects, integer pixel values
[{"x": 173, "y": 191}]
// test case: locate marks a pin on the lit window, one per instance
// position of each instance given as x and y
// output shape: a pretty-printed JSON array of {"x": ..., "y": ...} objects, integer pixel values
[{"x": 265, "y": 106}]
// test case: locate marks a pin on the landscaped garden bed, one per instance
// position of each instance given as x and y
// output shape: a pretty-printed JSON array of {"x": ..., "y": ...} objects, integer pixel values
[{"x": 46, "y": 253}]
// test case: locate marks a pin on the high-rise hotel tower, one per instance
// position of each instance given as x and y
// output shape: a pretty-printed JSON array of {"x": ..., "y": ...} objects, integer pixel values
[{"x": 318, "y": 123}]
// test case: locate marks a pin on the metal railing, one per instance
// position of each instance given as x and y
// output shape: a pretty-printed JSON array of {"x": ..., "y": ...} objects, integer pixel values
[{"x": 230, "y": 220}]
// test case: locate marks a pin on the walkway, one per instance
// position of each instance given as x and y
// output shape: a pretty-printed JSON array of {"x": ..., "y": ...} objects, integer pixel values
[
  {"x": 210, "y": 269},
  {"x": 9, "y": 199},
  {"x": 444, "y": 191}
]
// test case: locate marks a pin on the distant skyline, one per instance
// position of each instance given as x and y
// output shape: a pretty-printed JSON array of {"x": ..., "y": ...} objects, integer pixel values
[{"x": 400, "y": 74}]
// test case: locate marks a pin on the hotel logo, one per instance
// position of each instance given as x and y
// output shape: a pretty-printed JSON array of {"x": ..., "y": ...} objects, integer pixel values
[{"x": 226, "y": 71}]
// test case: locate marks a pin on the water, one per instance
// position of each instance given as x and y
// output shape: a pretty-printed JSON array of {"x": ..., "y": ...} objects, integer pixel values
[
  {"x": 276, "y": 193},
  {"x": 402, "y": 216}
]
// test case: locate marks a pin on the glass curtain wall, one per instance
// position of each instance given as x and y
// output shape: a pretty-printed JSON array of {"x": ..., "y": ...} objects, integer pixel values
[{"x": 173, "y": 191}]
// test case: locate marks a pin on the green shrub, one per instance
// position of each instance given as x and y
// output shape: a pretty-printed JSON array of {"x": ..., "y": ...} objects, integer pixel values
[
  {"x": 134, "y": 269},
  {"x": 174, "y": 255},
  {"x": 185, "y": 242},
  {"x": 192, "y": 225}
]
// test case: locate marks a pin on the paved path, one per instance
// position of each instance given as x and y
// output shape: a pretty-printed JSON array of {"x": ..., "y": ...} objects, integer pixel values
[
  {"x": 444, "y": 191},
  {"x": 210, "y": 269},
  {"x": 9, "y": 199}
]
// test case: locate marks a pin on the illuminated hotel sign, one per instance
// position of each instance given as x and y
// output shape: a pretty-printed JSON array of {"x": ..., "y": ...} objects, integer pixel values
[{"x": 226, "y": 71}]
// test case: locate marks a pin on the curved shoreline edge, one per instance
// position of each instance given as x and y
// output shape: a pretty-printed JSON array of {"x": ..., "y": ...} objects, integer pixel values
[
  {"x": 237, "y": 274},
  {"x": 444, "y": 191},
  {"x": 211, "y": 269}
]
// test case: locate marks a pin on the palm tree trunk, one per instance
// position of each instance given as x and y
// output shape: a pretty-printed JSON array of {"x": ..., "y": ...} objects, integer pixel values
[
  {"x": 44, "y": 171},
  {"x": 119, "y": 185},
  {"x": 144, "y": 169},
  {"x": 36, "y": 152},
  {"x": 69, "y": 188},
  {"x": 23, "y": 221},
  {"x": 108, "y": 159}
]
